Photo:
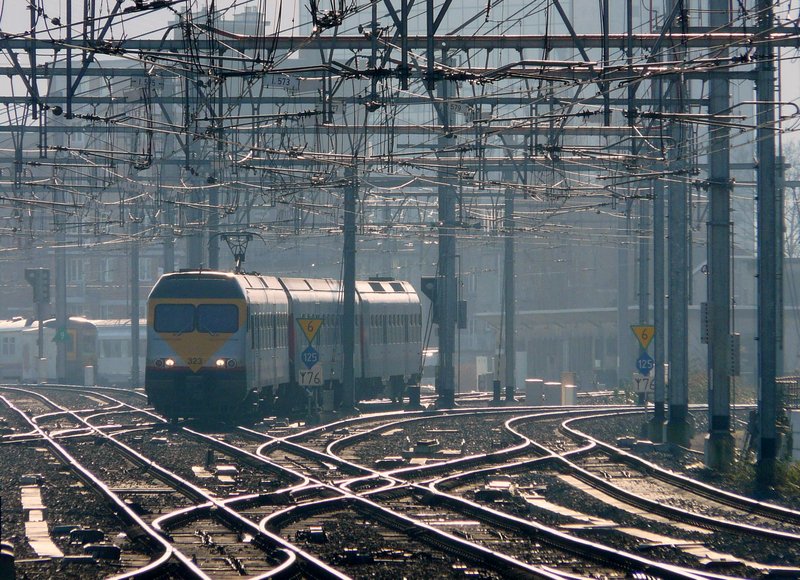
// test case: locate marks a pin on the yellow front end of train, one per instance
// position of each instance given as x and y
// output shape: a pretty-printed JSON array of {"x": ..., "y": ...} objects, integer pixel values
[{"x": 196, "y": 338}]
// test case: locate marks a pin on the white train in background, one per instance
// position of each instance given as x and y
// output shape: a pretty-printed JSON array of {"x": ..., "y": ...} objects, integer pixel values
[
  {"x": 114, "y": 351},
  {"x": 104, "y": 345}
]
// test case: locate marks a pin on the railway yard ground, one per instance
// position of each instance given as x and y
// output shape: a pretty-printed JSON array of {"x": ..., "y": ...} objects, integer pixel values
[{"x": 94, "y": 484}]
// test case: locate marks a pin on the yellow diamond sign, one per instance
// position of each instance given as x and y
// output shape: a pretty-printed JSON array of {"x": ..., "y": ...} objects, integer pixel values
[
  {"x": 644, "y": 333},
  {"x": 310, "y": 327}
]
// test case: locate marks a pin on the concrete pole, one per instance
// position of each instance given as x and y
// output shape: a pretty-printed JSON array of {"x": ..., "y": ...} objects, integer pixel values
[{"x": 719, "y": 444}]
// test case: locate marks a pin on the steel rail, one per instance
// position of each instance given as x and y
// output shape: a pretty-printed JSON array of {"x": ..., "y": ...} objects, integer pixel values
[
  {"x": 563, "y": 540},
  {"x": 653, "y": 506},
  {"x": 129, "y": 514},
  {"x": 165, "y": 522},
  {"x": 316, "y": 568},
  {"x": 765, "y": 509},
  {"x": 435, "y": 536},
  {"x": 445, "y": 541}
]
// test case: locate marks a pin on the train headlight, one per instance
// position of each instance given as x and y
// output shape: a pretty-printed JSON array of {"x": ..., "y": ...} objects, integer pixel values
[
  {"x": 159, "y": 362},
  {"x": 220, "y": 363},
  {"x": 169, "y": 363},
  {"x": 231, "y": 364}
]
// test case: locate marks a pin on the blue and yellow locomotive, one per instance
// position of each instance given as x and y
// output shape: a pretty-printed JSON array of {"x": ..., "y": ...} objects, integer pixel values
[{"x": 220, "y": 343}]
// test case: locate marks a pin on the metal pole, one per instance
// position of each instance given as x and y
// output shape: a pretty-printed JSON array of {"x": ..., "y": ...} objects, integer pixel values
[
  {"x": 780, "y": 232},
  {"x": 508, "y": 294},
  {"x": 61, "y": 289},
  {"x": 447, "y": 296},
  {"x": 69, "y": 60},
  {"x": 194, "y": 235},
  {"x": 644, "y": 206},
  {"x": 404, "y": 44},
  {"x": 767, "y": 252},
  {"x": 659, "y": 392},
  {"x": 605, "y": 18},
  {"x": 430, "y": 81},
  {"x": 349, "y": 286},
  {"x": 624, "y": 360},
  {"x": 60, "y": 226},
  {"x": 644, "y": 263},
  {"x": 134, "y": 289},
  {"x": 719, "y": 445},
  {"x": 213, "y": 194},
  {"x": 677, "y": 425},
  {"x": 169, "y": 240},
  {"x": 32, "y": 59},
  {"x": 41, "y": 330}
]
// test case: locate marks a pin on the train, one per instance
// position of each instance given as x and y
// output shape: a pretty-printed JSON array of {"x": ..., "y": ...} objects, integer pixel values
[
  {"x": 19, "y": 349},
  {"x": 114, "y": 350},
  {"x": 220, "y": 344},
  {"x": 102, "y": 346}
]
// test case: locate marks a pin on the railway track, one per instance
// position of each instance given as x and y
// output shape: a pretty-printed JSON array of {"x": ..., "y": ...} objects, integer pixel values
[
  {"x": 475, "y": 492},
  {"x": 210, "y": 536}
]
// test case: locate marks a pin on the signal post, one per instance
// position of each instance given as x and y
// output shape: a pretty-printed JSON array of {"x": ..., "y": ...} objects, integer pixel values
[{"x": 39, "y": 279}]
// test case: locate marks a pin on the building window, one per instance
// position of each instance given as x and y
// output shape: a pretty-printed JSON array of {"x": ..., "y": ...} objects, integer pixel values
[
  {"x": 145, "y": 269},
  {"x": 8, "y": 345},
  {"x": 75, "y": 270},
  {"x": 108, "y": 265}
]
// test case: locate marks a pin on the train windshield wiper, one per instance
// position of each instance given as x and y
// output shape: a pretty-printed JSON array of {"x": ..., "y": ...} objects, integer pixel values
[
  {"x": 204, "y": 328},
  {"x": 183, "y": 330}
]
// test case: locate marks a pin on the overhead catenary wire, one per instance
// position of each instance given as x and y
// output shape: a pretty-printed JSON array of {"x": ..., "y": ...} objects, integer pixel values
[{"x": 277, "y": 157}]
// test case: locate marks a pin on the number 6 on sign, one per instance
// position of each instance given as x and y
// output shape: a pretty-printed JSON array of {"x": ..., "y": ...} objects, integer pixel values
[
  {"x": 310, "y": 327},
  {"x": 644, "y": 334}
]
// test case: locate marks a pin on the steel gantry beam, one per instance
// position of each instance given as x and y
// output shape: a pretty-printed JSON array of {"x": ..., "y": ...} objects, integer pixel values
[{"x": 695, "y": 37}]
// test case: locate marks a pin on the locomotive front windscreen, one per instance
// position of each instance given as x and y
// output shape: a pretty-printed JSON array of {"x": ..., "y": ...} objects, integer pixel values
[
  {"x": 214, "y": 318},
  {"x": 174, "y": 318},
  {"x": 208, "y": 318}
]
